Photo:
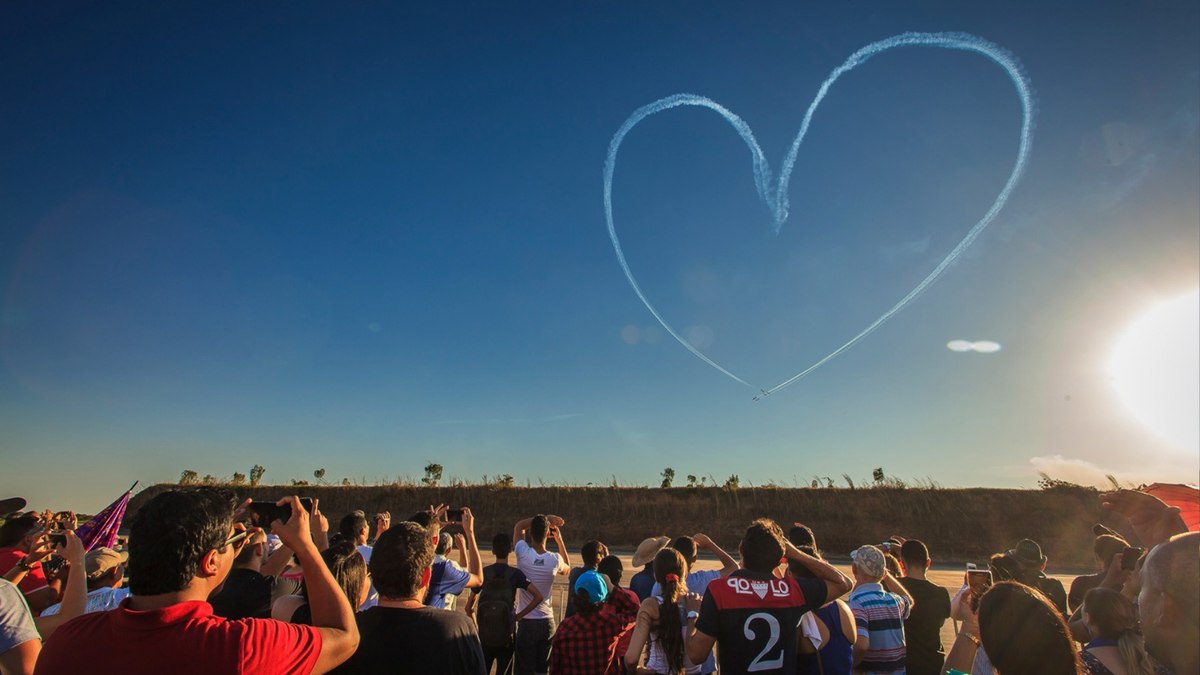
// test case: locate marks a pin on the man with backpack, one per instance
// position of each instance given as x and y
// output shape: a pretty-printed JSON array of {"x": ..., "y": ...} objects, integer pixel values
[{"x": 492, "y": 603}]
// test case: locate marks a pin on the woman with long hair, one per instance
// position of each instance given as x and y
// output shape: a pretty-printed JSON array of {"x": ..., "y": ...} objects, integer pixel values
[
  {"x": 1024, "y": 633},
  {"x": 1115, "y": 648},
  {"x": 348, "y": 568},
  {"x": 661, "y": 622}
]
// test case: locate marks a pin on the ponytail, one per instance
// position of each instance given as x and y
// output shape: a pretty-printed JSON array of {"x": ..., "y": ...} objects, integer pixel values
[
  {"x": 1133, "y": 654},
  {"x": 669, "y": 566}
]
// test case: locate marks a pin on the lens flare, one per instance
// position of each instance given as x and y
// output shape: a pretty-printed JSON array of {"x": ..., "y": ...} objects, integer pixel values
[{"x": 1155, "y": 367}]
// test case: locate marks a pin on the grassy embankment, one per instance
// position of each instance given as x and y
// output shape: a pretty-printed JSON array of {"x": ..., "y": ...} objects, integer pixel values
[{"x": 956, "y": 524}]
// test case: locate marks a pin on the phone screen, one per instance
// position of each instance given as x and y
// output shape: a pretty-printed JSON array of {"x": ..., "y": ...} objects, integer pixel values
[
  {"x": 979, "y": 581},
  {"x": 262, "y": 514},
  {"x": 454, "y": 515}
]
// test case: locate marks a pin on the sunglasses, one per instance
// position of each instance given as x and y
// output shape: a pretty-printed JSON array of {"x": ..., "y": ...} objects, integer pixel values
[{"x": 237, "y": 540}]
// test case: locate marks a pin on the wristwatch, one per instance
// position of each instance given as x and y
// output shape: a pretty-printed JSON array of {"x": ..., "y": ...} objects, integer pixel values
[
  {"x": 24, "y": 564},
  {"x": 692, "y": 615}
]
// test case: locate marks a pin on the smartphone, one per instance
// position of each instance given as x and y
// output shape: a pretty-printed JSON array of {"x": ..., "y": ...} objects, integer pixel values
[
  {"x": 262, "y": 514},
  {"x": 57, "y": 538},
  {"x": 454, "y": 515},
  {"x": 1129, "y": 557},
  {"x": 979, "y": 581}
]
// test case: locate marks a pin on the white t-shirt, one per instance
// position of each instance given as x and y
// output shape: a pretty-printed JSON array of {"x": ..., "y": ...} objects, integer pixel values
[
  {"x": 540, "y": 570},
  {"x": 372, "y": 594},
  {"x": 99, "y": 600}
]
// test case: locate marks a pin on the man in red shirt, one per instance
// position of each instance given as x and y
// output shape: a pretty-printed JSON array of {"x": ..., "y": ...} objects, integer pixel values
[
  {"x": 181, "y": 547},
  {"x": 18, "y": 536}
]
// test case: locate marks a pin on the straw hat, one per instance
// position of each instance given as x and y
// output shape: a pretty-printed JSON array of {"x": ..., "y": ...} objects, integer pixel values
[{"x": 648, "y": 549}]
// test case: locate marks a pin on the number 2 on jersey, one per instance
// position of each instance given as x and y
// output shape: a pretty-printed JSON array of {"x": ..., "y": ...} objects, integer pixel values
[{"x": 773, "y": 638}]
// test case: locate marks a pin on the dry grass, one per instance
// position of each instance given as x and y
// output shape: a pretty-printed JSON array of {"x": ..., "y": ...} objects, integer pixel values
[{"x": 956, "y": 524}]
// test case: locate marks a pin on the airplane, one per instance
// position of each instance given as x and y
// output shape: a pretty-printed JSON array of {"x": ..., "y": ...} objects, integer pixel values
[{"x": 763, "y": 395}]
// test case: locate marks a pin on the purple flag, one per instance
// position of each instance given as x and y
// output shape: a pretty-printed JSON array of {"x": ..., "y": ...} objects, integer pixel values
[{"x": 101, "y": 530}]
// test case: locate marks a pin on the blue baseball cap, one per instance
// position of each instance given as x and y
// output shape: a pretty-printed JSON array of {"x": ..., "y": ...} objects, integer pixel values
[{"x": 592, "y": 582}]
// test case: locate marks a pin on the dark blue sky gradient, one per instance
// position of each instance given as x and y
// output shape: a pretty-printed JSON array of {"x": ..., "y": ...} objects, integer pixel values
[{"x": 362, "y": 237}]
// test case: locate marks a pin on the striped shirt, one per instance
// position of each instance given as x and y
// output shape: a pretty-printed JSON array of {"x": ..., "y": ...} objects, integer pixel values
[{"x": 879, "y": 617}]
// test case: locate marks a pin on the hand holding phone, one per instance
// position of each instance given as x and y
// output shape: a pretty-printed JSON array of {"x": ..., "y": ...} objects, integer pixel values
[
  {"x": 262, "y": 514},
  {"x": 1130, "y": 557}
]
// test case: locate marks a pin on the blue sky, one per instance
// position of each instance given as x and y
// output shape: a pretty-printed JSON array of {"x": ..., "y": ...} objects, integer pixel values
[{"x": 363, "y": 237}]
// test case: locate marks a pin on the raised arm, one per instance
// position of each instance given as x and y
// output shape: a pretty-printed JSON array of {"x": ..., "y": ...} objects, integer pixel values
[
  {"x": 332, "y": 614},
  {"x": 836, "y": 583},
  {"x": 728, "y": 564},
  {"x": 556, "y": 535},
  {"x": 891, "y": 584},
  {"x": 473, "y": 564},
  {"x": 74, "y": 600}
]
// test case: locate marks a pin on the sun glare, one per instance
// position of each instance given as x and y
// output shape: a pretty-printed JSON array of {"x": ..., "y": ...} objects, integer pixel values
[{"x": 1155, "y": 367}]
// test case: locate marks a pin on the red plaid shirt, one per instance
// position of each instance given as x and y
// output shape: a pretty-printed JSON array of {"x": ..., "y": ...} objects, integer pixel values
[{"x": 582, "y": 643}]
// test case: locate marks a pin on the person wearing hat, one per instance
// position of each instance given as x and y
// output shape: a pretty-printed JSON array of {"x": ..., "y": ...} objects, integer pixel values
[
  {"x": 105, "y": 569},
  {"x": 880, "y": 605},
  {"x": 642, "y": 583},
  {"x": 450, "y": 578},
  {"x": 582, "y": 644},
  {"x": 1028, "y": 555}
]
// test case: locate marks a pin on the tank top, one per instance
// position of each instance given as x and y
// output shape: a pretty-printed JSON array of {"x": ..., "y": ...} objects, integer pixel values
[
  {"x": 836, "y": 655},
  {"x": 657, "y": 660}
]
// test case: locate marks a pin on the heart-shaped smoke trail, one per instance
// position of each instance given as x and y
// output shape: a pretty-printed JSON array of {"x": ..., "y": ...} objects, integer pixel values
[{"x": 776, "y": 198}]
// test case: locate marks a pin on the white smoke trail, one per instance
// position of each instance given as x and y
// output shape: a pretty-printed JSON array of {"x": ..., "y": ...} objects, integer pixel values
[{"x": 777, "y": 198}]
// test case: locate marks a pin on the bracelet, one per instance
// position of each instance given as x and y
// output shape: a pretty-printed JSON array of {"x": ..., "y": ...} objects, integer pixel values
[{"x": 24, "y": 564}]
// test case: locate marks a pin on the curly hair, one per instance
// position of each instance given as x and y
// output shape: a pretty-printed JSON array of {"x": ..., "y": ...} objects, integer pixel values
[
  {"x": 762, "y": 546},
  {"x": 170, "y": 534}
]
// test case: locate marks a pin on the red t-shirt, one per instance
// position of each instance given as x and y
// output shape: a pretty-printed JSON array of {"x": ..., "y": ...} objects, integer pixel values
[
  {"x": 35, "y": 579},
  {"x": 179, "y": 640}
]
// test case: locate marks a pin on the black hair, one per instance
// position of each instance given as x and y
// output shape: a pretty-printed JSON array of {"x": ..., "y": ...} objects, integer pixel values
[
  {"x": 246, "y": 553},
  {"x": 590, "y": 553},
  {"x": 14, "y": 529},
  {"x": 686, "y": 547},
  {"x": 170, "y": 534},
  {"x": 538, "y": 528},
  {"x": 800, "y": 571},
  {"x": 348, "y": 568},
  {"x": 762, "y": 546},
  {"x": 399, "y": 560},
  {"x": 1024, "y": 633},
  {"x": 352, "y": 524},
  {"x": 611, "y": 567},
  {"x": 802, "y": 535},
  {"x": 914, "y": 553},
  {"x": 502, "y": 544}
]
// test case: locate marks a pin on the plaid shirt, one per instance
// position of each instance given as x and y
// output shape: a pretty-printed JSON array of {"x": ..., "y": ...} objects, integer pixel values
[{"x": 582, "y": 642}]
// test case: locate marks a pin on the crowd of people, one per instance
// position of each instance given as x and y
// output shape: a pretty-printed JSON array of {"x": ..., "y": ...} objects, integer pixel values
[{"x": 199, "y": 588}]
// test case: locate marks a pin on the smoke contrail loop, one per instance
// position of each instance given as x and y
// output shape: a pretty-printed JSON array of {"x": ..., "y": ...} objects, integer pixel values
[{"x": 777, "y": 199}]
